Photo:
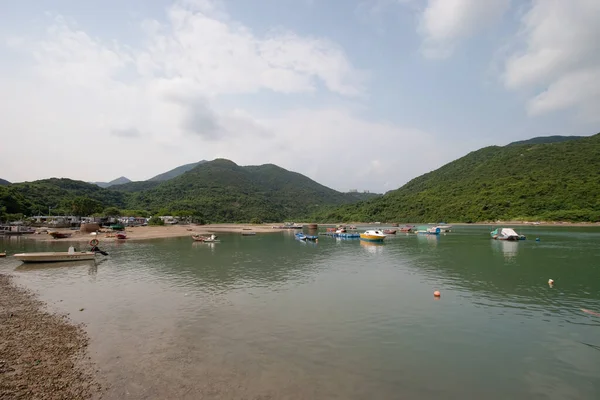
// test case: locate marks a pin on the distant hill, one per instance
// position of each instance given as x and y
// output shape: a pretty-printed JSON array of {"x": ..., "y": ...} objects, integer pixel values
[
  {"x": 119, "y": 181},
  {"x": 37, "y": 196},
  {"x": 4, "y": 182},
  {"x": 546, "y": 139},
  {"x": 213, "y": 191},
  {"x": 223, "y": 191},
  {"x": 175, "y": 172},
  {"x": 545, "y": 181}
]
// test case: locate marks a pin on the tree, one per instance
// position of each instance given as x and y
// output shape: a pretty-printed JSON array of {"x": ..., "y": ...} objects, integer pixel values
[
  {"x": 112, "y": 212},
  {"x": 83, "y": 206}
]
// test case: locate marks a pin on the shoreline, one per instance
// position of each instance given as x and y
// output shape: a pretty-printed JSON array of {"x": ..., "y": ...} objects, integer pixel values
[
  {"x": 141, "y": 233},
  {"x": 42, "y": 354}
]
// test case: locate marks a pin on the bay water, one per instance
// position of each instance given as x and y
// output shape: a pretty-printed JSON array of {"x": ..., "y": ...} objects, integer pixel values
[{"x": 269, "y": 317}]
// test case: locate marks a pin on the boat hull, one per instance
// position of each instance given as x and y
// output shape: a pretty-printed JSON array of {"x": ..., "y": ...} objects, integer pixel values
[
  {"x": 371, "y": 238},
  {"x": 54, "y": 257}
]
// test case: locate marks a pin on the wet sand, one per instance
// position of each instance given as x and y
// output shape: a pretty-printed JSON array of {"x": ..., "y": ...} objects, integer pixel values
[
  {"x": 159, "y": 232},
  {"x": 42, "y": 355}
]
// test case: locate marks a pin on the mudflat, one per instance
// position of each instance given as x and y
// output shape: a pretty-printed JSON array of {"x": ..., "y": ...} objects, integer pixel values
[{"x": 42, "y": 355}]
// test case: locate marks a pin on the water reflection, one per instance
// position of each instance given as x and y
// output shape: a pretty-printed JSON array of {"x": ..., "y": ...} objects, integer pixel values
[
  {"x": 508, "y": 248},
  {"x": 270, "y": 318},
  {"x": 372, "y": 247}
]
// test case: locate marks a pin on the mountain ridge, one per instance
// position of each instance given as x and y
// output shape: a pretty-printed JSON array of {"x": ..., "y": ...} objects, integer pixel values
[{"x": 539, "y": 181}]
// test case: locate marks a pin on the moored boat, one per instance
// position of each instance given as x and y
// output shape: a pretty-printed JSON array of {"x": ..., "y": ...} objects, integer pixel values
[
  {"x": 311, "y": 237},
  {"x": 3, "y": 254},
  {"x": 248, "y": 233},
  {"x": 300, "y": 236},
  {"x": 506, "y": 234},
  {"x": 407, "y": 229},
  {"x": 424, "y": 230},
  {"x": 58, "y": 256},
  {"x": 389, "y": 231},
  {"x": 373, "y": 235},
  {"x": 206, "y": 239}
]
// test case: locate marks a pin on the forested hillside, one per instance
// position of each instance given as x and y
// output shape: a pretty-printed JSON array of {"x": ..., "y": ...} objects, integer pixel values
[{"x": 546, "y": 181}]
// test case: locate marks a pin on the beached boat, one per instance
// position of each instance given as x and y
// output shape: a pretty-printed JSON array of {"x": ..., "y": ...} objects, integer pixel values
[
  {"x": 424, "y": 230},
  {"x": 206, "y": 239},
  {"x": 389, "y": 231},
  {"x": 2, "y": 254},
  {"x": 373, "y": 235},
  {"x": 61, "y": 256},
  {"x": 117, "y": 227},
  {"x": 506, "y": 234},
  {"x": 121, "y": 235},
  {"x": 60, "y": 235}
]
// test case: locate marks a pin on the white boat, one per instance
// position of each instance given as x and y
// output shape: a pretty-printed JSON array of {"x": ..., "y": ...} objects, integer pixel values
[
  {"x": 57, "y": 256},
  {"x": 506, "y": 234},
  {"x": 373, "y": 235},
  {"x": 206, "y": 239}
]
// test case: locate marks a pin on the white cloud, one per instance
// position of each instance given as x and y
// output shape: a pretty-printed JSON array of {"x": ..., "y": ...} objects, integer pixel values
[
  {"x": 559, "y": 57},
  {"x": 90, "y": 109},
  {"x": 445, "y": 22}
]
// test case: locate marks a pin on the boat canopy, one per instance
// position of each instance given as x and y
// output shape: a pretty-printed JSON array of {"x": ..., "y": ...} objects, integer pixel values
[{"x": 508, "y": 232}]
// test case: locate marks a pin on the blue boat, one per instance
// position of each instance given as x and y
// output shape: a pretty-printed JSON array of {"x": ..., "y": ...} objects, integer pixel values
[
  {"x": 300, "y": 236},
  {"x": 311, "y": 237}
]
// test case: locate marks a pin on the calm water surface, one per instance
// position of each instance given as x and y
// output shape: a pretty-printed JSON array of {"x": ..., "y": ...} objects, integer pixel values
[{"x": 268, "y": 317}]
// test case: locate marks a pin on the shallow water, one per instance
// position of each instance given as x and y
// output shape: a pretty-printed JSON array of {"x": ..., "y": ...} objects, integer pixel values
[{"x": 268, "y": 317}]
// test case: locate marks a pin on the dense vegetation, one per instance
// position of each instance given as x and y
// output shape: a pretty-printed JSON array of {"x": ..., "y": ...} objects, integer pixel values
[
  {"x": 216, "y": 191},
  {"x": 221, "y": 191},
  {"x": 546, "y": 139},
  {"x": 545, "y": 181},
  {"x": 175, "y": 172}
]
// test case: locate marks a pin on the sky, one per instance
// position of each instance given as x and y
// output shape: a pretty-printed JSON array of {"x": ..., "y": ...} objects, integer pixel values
[{"x": 355, "y": 94}]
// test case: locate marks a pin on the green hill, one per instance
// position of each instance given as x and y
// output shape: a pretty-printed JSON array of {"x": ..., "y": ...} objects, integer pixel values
[
  {"x": 4, "y": 182},
  {"x": 222, "y": 191},
  {"x": 547, "y": 181},
  {"x": 175, "y": 172},
  {"x": 546, "y": 139},
  {"x": 119, "y": 181},
  {"x": 37, "y": 196}
]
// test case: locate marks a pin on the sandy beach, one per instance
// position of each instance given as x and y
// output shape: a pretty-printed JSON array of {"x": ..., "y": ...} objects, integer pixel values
[
  {"x": 42, "y": 355},
  {"x": 158, "y": 232}
]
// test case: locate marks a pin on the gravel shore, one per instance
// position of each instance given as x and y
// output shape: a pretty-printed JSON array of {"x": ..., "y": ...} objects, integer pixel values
[{"x": 42, "y": 355}]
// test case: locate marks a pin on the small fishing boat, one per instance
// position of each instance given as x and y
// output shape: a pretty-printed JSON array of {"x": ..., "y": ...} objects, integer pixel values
[
  {"x": 373, "y": 235},
  {"x": 311, "y": 237},
  {"x": 424, "y": 230},
  {"x": 206, "y": 239},
  {"x": 60, "y": 235},
  {"x": 389, "y": 231},
  {"x": 248, "y": 233},
  {"x": 58, "y": 256},
  {"x": 2, "y": 254},
  {"x": 444, "y": 227},
  {"x": 121, "y": 235},
  {"x": 506, "y": 234},
  {"x": 117, "y": 227},
  {"x": 300, "y": 236},
  {"x": 407, "y": 229}
]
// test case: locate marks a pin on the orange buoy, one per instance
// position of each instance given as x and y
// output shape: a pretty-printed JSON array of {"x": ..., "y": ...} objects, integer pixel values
[{"x": 437, "y": 293}]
